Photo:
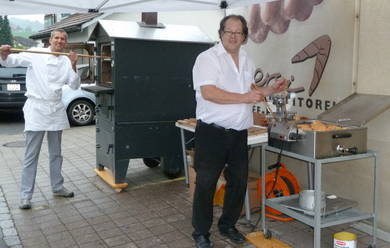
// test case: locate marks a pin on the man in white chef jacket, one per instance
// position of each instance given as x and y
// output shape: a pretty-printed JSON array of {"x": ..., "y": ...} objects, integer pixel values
[{"x": 44, "y": 111}]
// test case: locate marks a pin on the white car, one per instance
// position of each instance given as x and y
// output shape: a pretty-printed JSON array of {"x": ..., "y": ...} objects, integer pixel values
[{"x": 79, "y": 104}]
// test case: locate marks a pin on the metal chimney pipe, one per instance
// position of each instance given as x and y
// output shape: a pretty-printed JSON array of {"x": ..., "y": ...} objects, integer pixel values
[{"x": 149, "y": 18}]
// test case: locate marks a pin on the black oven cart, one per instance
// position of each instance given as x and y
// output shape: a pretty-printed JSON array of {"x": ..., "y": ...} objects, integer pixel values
[{"x": 142, "y": 89}]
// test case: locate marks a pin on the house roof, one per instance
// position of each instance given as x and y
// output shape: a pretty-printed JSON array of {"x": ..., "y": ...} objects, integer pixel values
[
  {"x": 135, "y": 30},
  {"x": 25, "y": 41},
  {"x": 70, "y": 24}
]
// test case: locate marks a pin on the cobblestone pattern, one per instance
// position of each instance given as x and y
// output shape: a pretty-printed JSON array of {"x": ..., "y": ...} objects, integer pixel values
[
  {"x": 8, "y": 234},
  {"x": 152, "y": 213}
]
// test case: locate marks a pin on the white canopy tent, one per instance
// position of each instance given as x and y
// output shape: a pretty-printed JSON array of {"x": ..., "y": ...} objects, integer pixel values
[{"x": 28, "y": 7}]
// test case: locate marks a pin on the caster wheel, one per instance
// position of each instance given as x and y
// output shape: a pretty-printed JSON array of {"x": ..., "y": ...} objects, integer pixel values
[
  {"x": 172, "y": 175},
  {"x": 100, "y": 167},
  {"x": 151, "y": 162},
  {"x": 268, "y": 234}
]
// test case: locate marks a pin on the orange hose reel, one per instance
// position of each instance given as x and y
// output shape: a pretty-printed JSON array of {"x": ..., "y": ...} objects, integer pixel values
[{"x": 286, "y": 184}]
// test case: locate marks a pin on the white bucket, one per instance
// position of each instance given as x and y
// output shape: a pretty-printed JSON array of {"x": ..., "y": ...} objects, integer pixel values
[{"x": 344, "y": 240}]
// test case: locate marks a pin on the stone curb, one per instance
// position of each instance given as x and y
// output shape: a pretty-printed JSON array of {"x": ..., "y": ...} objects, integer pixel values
[
  {"x": 6, "y": 223},
  {"x": 3, "y": 244}
]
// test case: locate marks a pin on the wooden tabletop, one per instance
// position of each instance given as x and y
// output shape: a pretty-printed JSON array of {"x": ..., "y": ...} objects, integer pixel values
[{"x": 190, "y": 125}]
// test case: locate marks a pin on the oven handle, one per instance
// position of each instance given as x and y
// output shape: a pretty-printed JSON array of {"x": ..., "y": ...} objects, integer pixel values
[{"x": 341, "y": 135}]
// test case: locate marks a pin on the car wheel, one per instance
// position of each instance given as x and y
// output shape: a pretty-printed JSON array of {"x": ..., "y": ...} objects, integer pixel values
[{"x": 81, "y": 112}]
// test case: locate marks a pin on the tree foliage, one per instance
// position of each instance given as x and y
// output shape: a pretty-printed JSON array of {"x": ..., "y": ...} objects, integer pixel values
[
  {"x": 5, "y": 32},
  {"x": 1, "y": 30}
]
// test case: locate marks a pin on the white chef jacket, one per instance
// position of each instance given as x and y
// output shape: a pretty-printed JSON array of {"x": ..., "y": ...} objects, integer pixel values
[
  {"x": 45, "y": 76},
  {"x": 216, "y": 67}
]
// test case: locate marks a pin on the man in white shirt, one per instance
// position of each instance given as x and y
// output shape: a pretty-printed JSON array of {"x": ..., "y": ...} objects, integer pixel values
[
  {"x": 44, "y": 110},
  {"x": 223, "y": 77}
]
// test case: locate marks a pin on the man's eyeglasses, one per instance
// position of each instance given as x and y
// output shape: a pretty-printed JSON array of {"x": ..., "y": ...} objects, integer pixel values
[{"x": 231, "y": 33}]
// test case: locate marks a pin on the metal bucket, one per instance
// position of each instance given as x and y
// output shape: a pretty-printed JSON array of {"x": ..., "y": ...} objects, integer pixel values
[{"x": 306, "y": 200}]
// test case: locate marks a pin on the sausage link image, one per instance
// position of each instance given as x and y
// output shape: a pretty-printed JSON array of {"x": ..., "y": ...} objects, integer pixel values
[
  {"x": 321, "y": 49},
  {"x": 254, "y": 18},
  {"x": 305, "y": 9},
  {"x": 276, "y": 16},
  {"x": 258, "y": 31},
  {"x": 280, "y": 26},
  {"x": 290, "y": 8},
  {"x": 270, "y": 12},
  {"x": 316, "y": 2}
]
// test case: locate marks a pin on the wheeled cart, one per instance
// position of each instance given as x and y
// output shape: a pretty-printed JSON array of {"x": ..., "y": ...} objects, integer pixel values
[
  {"x": 142, "y": 89},
  {"x": 319, "y": 220}
]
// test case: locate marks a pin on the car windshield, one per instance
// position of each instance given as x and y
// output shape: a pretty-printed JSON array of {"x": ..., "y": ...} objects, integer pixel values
[{"x": 12, "y": 72}]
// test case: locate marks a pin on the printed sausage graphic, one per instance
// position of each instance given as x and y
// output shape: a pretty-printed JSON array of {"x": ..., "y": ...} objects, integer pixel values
[
  {"x": 280, "y": 26},
  {"x": 321, "y": 49},
  {"x": 305, "y": 9},
  {"x": 258, "y": 30},
  {"x": 270, "y": 12},
  {"x": 276, "y": 16},
  {"x": 290, "y": 8}
]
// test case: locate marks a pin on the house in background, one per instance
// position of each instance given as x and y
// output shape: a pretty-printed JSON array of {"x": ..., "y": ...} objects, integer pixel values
[
  {"x": 24, "y": 42},
  {"x": 75, "y": 25},
  {"x": 52, "y": 19}
]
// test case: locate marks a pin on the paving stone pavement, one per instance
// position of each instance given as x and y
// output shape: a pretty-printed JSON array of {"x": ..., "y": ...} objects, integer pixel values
[{"x": 151, "y": 212}]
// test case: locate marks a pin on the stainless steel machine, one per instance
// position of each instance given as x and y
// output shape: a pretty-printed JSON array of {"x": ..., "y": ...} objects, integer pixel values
[
  {"x": 336, "y": 135},
  {"x": 336, "y": 131},
  {"x": 283, "y": 126}
]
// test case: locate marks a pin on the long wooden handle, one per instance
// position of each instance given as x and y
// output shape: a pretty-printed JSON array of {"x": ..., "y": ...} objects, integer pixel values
[{"x": 58, "y": 53}]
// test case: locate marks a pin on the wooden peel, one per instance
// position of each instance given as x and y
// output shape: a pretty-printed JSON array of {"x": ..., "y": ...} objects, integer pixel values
[{"x": 58, "y": 53}]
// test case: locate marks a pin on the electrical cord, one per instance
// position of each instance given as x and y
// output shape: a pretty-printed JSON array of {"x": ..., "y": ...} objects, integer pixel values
[
  {"x": 277, "y": 166},
  {"x": 190, "y": 140}
]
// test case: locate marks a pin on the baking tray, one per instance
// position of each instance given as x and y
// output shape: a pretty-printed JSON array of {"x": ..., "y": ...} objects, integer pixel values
[{"x": 333, "y": 206}]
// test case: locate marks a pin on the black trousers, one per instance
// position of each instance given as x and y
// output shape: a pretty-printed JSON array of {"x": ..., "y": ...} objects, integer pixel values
[{"x": 217, "y": 148}]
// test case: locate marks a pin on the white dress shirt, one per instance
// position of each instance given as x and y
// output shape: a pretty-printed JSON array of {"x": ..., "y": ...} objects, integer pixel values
[
  {"x": 45, "y": 76},
  {"x": 216, "y": 67}
]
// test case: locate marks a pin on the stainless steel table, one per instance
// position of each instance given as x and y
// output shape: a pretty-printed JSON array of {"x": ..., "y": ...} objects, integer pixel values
[{"x": 317, "y": 220}]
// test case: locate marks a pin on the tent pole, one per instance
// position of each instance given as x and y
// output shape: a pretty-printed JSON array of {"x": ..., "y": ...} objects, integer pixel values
[
  {"x": 101, "y": 5},
  {"x": 223, "y": 5}
]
